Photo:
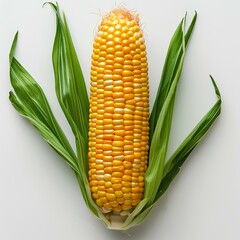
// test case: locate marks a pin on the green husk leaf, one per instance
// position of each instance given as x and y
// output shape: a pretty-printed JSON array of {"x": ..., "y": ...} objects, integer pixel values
[
  {"x": 30, "y": 101},
  {"x": 70, "y": 86},
  {"x": 172, "y": 167},
  {"x": 159, "y": 143},
  {"x": 73, "y": 99},
  {"x": 170, "y": 67}
]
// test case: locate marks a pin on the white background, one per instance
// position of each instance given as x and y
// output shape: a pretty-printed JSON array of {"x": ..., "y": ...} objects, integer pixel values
[{"x": 39, "y": 196}]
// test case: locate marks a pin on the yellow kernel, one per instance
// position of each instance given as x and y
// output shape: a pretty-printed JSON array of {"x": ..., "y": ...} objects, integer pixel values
[
  {"x": 116, "y": 163},
  {"x": 117, "y": 174},
  {"x": 118, "y": 89},
  {"x": 109, "y": 63},
  {"x": 117, "y": 186},
  {"x": 117, "y": 138},
  {"x": 117, "y": 79},
  {"x": 107, "y": 158},
  {"x": 126, "y": 207},
  {"x": 109, "y": 109},
  {"x": 119, "y": 100},
  {"x": 136, "y": 62},
  {"x": 99, "y": 202},
  {"x": 117, "y": 71},
  {"x": 117, "y": 116},
  {"x": 104, "y": 200},
  {"x": 126, "y": 73},
  {"x": 135, "y": 174},
  {"x": 127, "y": 165},
  {"x": 129, "y": 158},
  {"x": 128, "y": 137},
  {"x": 135, "y": 190},
  {"x": 114, "y": 204},
  {"x": 110, "y": 50},
  {"x": 108, "y": 206},
  {"x": 95, "y": 195},
  {"x": 120, "y": 200},
  {"x": 138, "y": 91},
  {"x": 115, "y": 180},
  {"x": 108, "y": 184},
  {"x": 116, "y": 149},
  {"x": 135, "y": 196},
  {"x": 118, "y": 94},
  {"x": 110, "y": 37},
  {"x": 126, "y": 190},
  {"x": 119, "y": 47},
  {"x": 127, "y": 178},
  {"x": 118, "y": 122},
  {"x": 128, "y": 123},
  {"x": 108, "y": 136},
  {"x": 108, "y": 128},
  {"x": 128, "y": 201},
  {"x": 124, "y": 36},
  {"x": 128, "y": 117},
  {"x": 99, "y": 167},
  {"x": 127, "y": 196},
  {"x": 119, "y": 105},
  {"x": 107, "y": 77},
  {"x": 127, "y": 79},
  {"x": 127, "y": 172},
  {"x": 128, "y": 96},
  {"x": 108, "y": 94},
  {"x": 119, "y": 110},
  {"x": 137, "y": 145},
  {"x": 118, "y": 144},
  {"x": 141, "y": 179},
  {"x": 118, "y": 127},
  {"x": 94, "y": 189},
  {"x": 108, "y": 170},
  {"x": 118, "y": 168},
  {"x": 119, "y": 60},
  {"x": 126, "y": 50},
  {"x": 118, "y": 26},
  {"x": 128, "y": 90},
  {"x": 107, "y": 121},
  {"x": 130, "y": 106},
  {"x": 106, "y": 147},
  {"x": 101, "y": 193},
  {"x": 110, "y": 196},
  {"x": 110, "y": 44},
  {"x": 119, "y": 54},
  {"x": 108, "y": 103},
  {"x": 128, "y": 147},
  {"x": 117, "y": 33},
  {"x": 118, "y": 194},
  {"x": 107, "y": 177},
  {"x": 120, "y": 132},
  {"x": 117, "y": 66}
]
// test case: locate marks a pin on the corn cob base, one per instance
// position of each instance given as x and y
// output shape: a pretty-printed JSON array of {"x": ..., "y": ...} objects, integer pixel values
[{"x": 119, "y": 115}]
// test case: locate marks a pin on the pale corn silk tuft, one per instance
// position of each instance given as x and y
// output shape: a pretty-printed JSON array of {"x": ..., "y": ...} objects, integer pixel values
[{"x": 119, "y": 113}]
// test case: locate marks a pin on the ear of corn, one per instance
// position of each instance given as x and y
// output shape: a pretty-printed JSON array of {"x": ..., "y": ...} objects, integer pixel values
[
  {"x": 119, "y": 113},
  {"x": 118, "y": 117}
]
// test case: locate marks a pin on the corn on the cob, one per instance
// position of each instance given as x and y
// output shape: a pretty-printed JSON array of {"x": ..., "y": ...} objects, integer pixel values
[
  {"x": 118, "y": 133},
  {"x": 119, "y": 113}
]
